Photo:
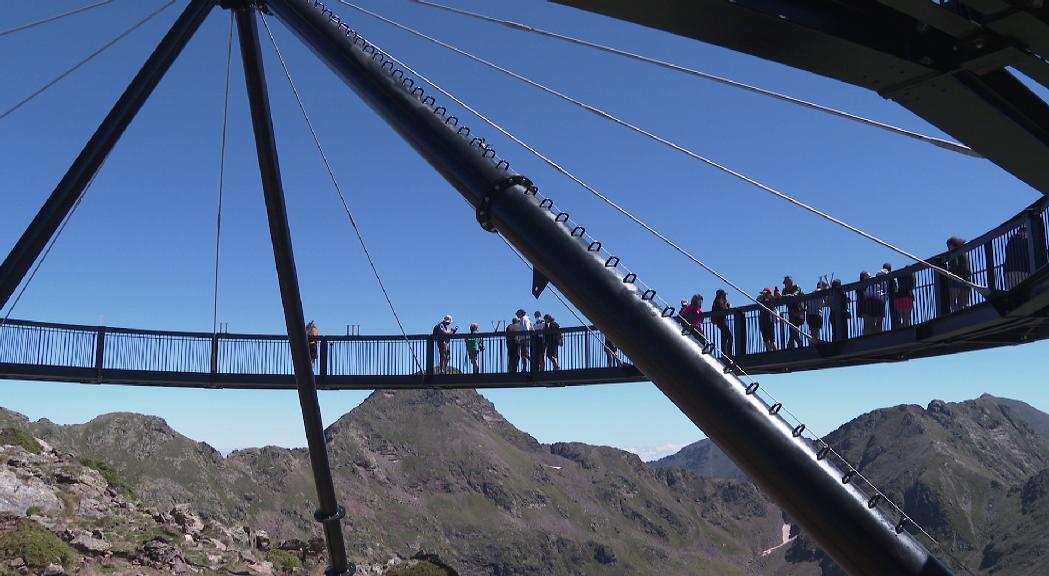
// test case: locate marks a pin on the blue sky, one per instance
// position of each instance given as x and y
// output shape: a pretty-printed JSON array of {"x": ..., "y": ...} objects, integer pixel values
[{"x": 139, "y": 252}]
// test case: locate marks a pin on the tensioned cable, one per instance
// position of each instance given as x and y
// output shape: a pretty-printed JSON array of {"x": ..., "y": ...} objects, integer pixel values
[
  {"x": 604, "y": 198},
  {"x": 53, "y": 18},
  {"x": 601, "y": 113},
  {"x": 222, "y": 179},
  {"x": 938, "y": 142},
  {"x": 342, "y": 197},
  {"x": 50, "y": 245},
  {"x": 89, "y": 58}
]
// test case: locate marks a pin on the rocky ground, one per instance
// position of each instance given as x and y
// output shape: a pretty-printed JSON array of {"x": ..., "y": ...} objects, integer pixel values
[{"x": 63, "y": 514}]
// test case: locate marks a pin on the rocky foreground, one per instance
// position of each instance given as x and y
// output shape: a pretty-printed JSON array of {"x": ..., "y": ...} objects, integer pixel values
[{"x": 61, "y": 514}]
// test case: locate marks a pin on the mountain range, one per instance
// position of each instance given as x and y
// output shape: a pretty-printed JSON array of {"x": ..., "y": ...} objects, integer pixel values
[{"x": 442, "y": 472}]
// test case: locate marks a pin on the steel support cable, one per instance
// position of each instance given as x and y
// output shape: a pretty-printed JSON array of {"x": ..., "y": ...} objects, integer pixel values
[
  {"x": 342, "y": 197},
  {"x": 87, "y": 59},
  {"x": 222, "y": 179},
  {"x": 47, "y": 250},
  {"x": 738, "y": 175},
  {"x": 54, "y": 18},
  {"x": 938, "y": 142},
  {"x": 564, "y": 171}
]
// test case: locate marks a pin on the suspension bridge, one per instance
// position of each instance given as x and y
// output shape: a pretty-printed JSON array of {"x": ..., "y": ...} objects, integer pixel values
[{"x": 947, "y": 62}]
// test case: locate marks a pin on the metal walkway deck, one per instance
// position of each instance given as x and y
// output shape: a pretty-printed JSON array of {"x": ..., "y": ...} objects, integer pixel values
[{"x": 1015, "y": 312}]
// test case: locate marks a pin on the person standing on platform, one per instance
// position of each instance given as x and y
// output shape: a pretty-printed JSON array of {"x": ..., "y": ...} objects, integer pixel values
[
  {"x": 513, "y": 350},
  {"x": 1017, "y": 262},
  {"x": 795, "y": 311},
  {"x": 312, "y": 336},
  {"x": 523, "y": 340},
  {"x": 719, "y": 311},
  {"x": 692, "y": 313},
  {"x": 766, "y": 320},
  {"x": 474, "y": 346},
  {"x": 553, "y": 341},
  {"x": 538, "y": 347},
  {"x": 959, "y": 265},
  {"x": 442, "y": 333}
]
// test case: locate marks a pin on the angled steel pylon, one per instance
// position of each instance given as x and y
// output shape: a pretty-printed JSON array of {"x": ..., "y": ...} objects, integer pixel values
[{"x": 785, "y": 465}]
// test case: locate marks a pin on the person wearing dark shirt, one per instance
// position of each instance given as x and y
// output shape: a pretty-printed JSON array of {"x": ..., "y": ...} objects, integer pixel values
[
  {"x": 553, "y": 340},
  {"x": 312, "y": 335},
  {"x": 904, "y": 299},
  {"x": 513, "y": 351},
  {"x": 442, "y": 333},
  {"x": 795, "y": 310},
  {"x": 766, "y": 320},
  {"x": 719, "y": 311},
  {"x": 959, "y": 265},
  {"x": 814, "y": 310},
  {"x": 1017, "y": 262}
]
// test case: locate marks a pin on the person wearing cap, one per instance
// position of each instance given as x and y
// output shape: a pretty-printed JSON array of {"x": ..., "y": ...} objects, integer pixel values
[
  {"x": 442, "y": 333},
  {"x": 719, "y": 311},
  {"x": 766, "y": 322}
]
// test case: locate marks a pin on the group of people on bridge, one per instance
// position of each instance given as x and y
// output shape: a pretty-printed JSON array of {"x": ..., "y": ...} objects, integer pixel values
[
  {"x": 875, "y": 299},
  {"x": 529, "y": 344}
]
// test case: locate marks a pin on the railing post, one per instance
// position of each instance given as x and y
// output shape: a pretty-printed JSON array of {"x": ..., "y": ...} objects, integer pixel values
[
  {"x": 586, "y": 351},
  {"x": 214, "y": 370},
  {"x": 943, "y": 292},
  {"x": 739, "y": 324},
  {"x": 430, "y": 345},
  {"x": 988, "y": 257},
  {"x": 322, "y": 356},
  {"x": 890, "y": 297},
  {"x": 1036, "y": 237},
  {"x": 100, "y": 350}
]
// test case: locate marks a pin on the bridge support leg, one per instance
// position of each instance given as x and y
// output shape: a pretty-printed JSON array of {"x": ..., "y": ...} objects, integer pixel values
[
  {"x": 329, "y": 513},
  {"x": 83, "y": 169},
  {"x": 785, "y": 465}
]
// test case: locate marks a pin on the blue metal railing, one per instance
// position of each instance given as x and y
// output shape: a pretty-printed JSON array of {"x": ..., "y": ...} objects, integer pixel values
[{"x": 998, "y": 259}]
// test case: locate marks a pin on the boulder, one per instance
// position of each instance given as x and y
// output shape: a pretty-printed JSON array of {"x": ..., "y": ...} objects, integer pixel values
[
  {"x": 53, "y": 570},
  {"x": 292, "y": 544},
  {"x": 18, "y": 494},
  {"x": 190, "y": 522},
  {"x": 90, "y": 544},
  {"x": 262, "y": 540}
]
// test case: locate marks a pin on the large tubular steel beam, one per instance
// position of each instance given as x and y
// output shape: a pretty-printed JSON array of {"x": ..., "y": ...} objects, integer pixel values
[
  {"x": 329, "y": 512},
  {"x": 83, "y": 169},
  {"x": 785, "y": 466},
  {"x": 945, "y": 68}
]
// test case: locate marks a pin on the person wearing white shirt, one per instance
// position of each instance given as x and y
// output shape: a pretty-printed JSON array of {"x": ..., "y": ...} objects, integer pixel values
[{"x": 524, "y": 339}]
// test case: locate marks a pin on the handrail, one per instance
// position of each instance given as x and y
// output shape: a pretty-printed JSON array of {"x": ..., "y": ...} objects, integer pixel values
[{"x": 842, "y": 311}]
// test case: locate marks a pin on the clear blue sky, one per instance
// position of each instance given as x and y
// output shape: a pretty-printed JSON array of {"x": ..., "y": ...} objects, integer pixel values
[{"x": 139, "y": 252}]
